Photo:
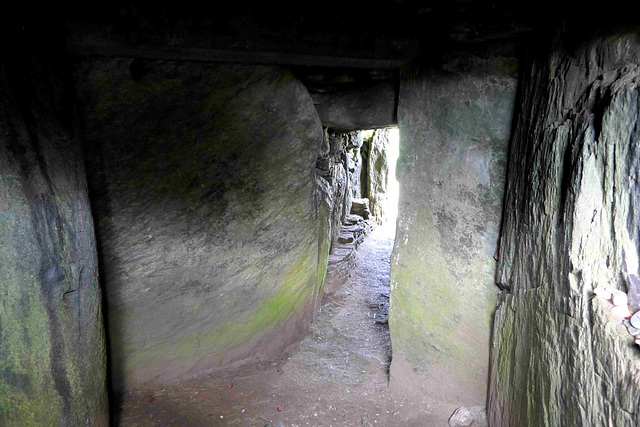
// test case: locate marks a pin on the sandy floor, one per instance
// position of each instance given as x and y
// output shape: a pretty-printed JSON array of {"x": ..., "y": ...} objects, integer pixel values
[{"x": 337, "y": 377}]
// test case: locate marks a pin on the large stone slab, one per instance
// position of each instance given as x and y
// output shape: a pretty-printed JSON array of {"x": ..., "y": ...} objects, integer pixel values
[
  {"x": 363, "y": 107},
  {"x": 202, "y": 179},
  {"x": 571, "y": 224},
  {"x": 454, "y": 128},
  {"x": 52, "y": 346}
]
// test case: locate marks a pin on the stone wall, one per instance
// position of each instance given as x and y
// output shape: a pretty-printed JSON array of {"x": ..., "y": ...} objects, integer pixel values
[
  {"x": 355, "y": 164},
  {"x": 332, "y": 166},
  {"x": 213, "y": 239},
  {"x": 454, "y": 125},
  {"x": 378, "y": 169},
  {"x": 52, "y": 346},
  {"x": 571, "y": 224}
]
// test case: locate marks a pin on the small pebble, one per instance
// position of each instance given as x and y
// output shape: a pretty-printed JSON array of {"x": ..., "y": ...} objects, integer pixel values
[
  {"x": 619, "y": 298},
  {"x": 620, "y": 310},
  {"x": 602, "y": 293}
]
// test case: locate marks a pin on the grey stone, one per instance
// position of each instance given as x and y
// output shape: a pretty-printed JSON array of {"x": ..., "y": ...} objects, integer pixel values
[
  {"x": 635, "y": 322},
  {"x": 208, "y": 212},
  {"x": 357, "y": 108},
  {"x": 342, "y": 259},
  {"x": 454, "y": 132},
  {"x": 472, "y": 417},
  {"x": 630, "y": 328},
  {"x": 361, "y": 207},
  {"x": 558, "y": 357},
  {"x": 633, "y": 292},
  {"x": 52, "y": 341},
  {"x": 378, "y": 173}
]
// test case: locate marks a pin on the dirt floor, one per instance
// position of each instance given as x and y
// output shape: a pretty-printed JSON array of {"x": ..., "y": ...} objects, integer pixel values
[{"x": 337, "y": 377}]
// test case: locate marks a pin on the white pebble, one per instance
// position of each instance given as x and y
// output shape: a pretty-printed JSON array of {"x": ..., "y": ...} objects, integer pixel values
[
  {"x": 620, "y": 310},
  {"x": 619, "y": 298},
  {"x": 602, "y": 293}
]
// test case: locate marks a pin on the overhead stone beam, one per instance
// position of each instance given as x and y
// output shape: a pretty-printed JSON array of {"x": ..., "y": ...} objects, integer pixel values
[
  {"x": 359, "y": 107},
  {"x": 236, "y": 56}
]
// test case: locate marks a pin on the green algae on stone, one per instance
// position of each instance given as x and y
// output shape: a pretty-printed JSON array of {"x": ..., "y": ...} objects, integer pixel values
[
  {"x": 52, "y": 355},
  {"x": 454, "y": 129},
  {"x": 204, "y": 201}
]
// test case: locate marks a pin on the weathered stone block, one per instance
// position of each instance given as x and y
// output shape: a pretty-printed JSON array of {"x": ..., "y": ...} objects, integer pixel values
[
  {"x": 209, "y": 223},
  {"x": 52, "y": 346},
  {"x": 454, "y": 131},
  {"x": 571, "y": 224}
]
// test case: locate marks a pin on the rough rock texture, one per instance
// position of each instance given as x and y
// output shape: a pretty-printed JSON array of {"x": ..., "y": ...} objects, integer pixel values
[
  {"x": 338, "y": 176},
  {"x": 342, "y": 259},
  {"x": 331, "y": 167},
  {"x": 357, "y": 108},
  {"x": 354, "y": 163},
  {"x": 571, "y": 224},
  {"x": 52, "y": 347},
  {"x": 469, "y": 417},
  {"x": 360, "y": 207},
  {"x": 378, "y": 173},
  {"x": 454, "y": 129},
  {"x": 365, "y": 149},
  {"x": 212, "y": 236}
]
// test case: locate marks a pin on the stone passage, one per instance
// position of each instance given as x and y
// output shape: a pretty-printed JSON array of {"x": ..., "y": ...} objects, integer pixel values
[{"x": 338, "y": 375}]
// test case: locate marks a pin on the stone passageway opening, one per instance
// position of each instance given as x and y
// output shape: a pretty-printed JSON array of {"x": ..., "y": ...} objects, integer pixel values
[
  {"x": 338, "y": 375},
  {"x": 182, "y": 193}
]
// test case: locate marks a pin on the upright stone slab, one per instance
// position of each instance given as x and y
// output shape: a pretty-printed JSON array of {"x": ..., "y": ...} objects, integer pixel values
[
  {"x": 52, "y": 348},
  {"x": 454, "y": 128},
  {"x": 378, "y": 182},
  {"x": 203, "y": 188},
  {"x": 572, "y": 217}
]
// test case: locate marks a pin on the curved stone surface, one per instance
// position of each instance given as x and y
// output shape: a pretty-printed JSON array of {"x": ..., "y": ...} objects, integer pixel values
[
  {"x": 52, "y": 347},
  {"x": 571, "y": 225},
  {"x": 202, "y": 179}
]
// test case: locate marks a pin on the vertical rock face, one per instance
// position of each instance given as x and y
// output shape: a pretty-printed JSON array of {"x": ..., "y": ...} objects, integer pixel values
[
  {"x": 331, "y": 166},
  {"x": 358, "y": 108},
  {"x": 202, "y": 180},
  {"x": 378, "y": 173},
  {"x": 354, "y": 163},
  {"x": 571, "y": 224},
  {"x": 52, "y": 351},
  {"x": 454, "y": 129}
]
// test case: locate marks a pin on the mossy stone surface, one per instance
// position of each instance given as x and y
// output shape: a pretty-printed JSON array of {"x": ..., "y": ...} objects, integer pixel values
[
  {"x": 52, "y": 351},
  {"x": 202, "y": 178},
  {"x": 572, "y": 224},
  {"x": 454, "y": 129}
]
